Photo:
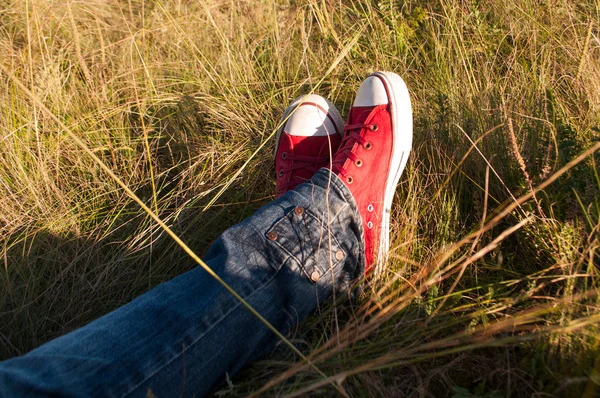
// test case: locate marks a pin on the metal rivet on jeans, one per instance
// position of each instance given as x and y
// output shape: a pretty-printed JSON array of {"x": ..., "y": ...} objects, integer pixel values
[
  {"x": 272, "y": 235},
  {"x": 369, "y": 225},
  {"x": 299, "y": 210},
  {"x": 315, "y": 276},
  {"x": 339, "y": 255}
]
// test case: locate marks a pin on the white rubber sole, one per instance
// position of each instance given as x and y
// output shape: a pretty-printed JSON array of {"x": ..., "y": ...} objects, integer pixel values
[
  {"x": 402, "y": 124},
  {"x": 325, "y": 104}
]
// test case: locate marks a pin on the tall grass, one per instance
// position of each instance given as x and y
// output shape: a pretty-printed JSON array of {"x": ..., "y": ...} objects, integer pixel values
[{"x": 492, "y": 284}]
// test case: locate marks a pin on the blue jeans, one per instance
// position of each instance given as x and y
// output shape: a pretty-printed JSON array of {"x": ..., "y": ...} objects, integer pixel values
[{"x": 184, "y": 336}]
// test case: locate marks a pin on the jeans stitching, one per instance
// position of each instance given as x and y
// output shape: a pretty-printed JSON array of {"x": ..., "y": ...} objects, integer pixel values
[{"x": 335, "y": 243}]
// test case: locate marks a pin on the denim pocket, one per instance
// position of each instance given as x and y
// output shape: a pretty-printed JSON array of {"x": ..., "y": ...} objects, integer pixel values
[{"x": 309, "y": 242}]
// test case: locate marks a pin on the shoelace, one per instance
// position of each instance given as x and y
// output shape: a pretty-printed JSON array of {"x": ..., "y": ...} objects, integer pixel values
[
  {"x": 351, "y": 135},
  {"x": 310, "y": 163}
]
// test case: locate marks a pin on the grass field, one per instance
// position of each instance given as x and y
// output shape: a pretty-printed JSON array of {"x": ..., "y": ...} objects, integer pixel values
[{"x": 492, "y": 285}]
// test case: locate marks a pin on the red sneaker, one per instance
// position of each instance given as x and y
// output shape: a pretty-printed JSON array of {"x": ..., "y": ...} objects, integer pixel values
[
  {"x": 306, "y": 141},
  {"x": 373, "y": 154}
]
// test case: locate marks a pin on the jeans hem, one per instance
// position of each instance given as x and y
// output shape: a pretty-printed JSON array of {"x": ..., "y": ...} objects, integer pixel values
[{"x": 326, "y": 179}]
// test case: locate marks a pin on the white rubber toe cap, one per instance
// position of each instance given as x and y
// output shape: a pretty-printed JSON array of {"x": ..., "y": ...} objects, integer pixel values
[
  {"x": 311, "y": 118},
  {"x": 371, "y": 93}
]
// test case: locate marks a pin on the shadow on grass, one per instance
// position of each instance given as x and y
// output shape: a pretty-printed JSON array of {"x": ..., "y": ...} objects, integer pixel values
[{"x": 52, "y": 283}]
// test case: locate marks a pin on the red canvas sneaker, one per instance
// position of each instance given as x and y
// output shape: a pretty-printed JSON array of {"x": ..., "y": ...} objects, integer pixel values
[
  {"x": 373, "y": 154},
  {"x": 306, "y": 141}
]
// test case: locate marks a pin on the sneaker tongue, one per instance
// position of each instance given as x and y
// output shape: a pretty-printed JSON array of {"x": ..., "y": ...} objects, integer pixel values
[{"x": 359, "y": 114}]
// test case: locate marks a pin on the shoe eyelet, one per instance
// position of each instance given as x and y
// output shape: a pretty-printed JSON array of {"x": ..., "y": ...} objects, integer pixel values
[
  {"x": 370, "y": 224},
  {"x": 358, "y": 163},
  {"x": 370, "y": 208},
  {"x": 284, "y": 155},
  {"x": 281, "y": 173},
  {"x": 368, "y": 146},
  {"x": 373, "y": 127},
  {"x": 349, "y": 179}
]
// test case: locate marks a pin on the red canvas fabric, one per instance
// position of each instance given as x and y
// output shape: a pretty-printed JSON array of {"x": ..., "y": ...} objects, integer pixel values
[
  {"x": 367, "y": 182},
  {"x": 298, "y": 158}
]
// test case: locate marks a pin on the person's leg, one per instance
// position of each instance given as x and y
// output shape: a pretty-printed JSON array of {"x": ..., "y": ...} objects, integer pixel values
[{"x": 184, "y": 335}]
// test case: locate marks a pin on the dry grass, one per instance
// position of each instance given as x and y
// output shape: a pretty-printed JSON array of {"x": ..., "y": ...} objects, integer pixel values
[{"x": 492, "y": 284}]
